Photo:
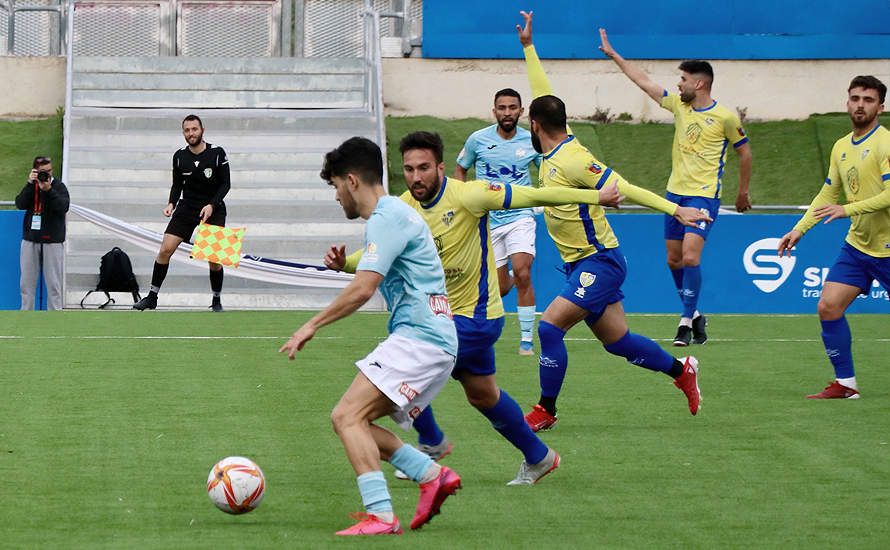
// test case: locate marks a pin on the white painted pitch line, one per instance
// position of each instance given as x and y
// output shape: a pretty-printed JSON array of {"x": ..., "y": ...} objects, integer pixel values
[{"x": 378, "y": 338}]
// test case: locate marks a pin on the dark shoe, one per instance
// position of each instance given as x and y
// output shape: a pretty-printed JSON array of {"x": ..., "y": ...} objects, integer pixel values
[
  {"x": 149, "y": 302},
  {"x": 683, "y": 337},
  {"x": 216, "y": 306},
  {"x": 699, "y": 336}
]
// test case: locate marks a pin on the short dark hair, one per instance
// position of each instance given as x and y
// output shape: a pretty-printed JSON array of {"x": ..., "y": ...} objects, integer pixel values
[
  {"x": 549, "y": 112},
  {"x": 509, "y": 92},
  {"x": 193, "y": 117},
  {"x": 697, "y": 66},
  {"x": 430, "y": 141},
  {"x": 869, "y": 83},
  {"x": 357, "y": 155},
  {"x": 41, "y": 161}
]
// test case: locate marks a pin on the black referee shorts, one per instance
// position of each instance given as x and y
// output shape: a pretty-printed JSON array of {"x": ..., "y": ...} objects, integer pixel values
[{"x": 186, "y": 218}]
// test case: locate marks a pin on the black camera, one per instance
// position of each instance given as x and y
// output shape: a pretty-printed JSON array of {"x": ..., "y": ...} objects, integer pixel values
[{"x": 43, "y": 176}]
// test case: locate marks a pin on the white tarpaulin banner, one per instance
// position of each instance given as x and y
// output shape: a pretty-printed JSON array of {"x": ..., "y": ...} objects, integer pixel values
[{"x": 252, "y": 267}]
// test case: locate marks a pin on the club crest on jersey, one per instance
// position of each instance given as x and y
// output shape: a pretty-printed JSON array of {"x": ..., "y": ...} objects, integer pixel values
[
  {"x": 552, "y": 172},
  {"x": 520, "y": 152},
  {"x": 709, "y": 121},
  {"x": 864, "y": 154},
  {"x": 494, "y": 186},
  {"x": 208, "y": 173},
  {"x": 843, "y": 157},
  {"x": 595, "y": 168},
  {"x": 448, "y": 218},
  {"x": 853, "y": 179},
  {"x": 693, "y": 132}
]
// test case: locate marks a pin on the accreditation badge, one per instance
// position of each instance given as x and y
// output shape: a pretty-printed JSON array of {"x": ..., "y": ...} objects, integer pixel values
[{"x": 36, "y": 222}]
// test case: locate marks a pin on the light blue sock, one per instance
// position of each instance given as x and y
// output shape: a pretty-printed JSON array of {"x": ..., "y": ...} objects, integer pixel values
[
  {"x": 375, "y": 494},
  {"x": 526, "y": 322},
  {"x": 691, "y": 289},
  {"x": 839, "y": 346},
  {"x": 411, "y": 461}
]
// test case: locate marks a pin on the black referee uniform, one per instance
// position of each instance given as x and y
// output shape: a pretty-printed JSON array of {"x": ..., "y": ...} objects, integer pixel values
[{"x": 200, "y": 180}]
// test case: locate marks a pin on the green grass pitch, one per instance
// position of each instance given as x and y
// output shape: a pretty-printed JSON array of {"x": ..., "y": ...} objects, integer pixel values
[{"x": 111, "y": 421}]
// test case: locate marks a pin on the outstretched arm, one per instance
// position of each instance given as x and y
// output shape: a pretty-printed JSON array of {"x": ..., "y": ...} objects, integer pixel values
[
  {"x": 632, "y": 72},
  {"x": 482, "y": 197},
  {"x": 537, "y": 78},
  {"x": 347, "y": 302}
]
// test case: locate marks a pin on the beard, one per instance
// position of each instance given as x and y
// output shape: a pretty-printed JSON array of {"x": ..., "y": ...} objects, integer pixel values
[
  {"x": 536, "y": 143},
  {"x": 687, "y": 97},
  {"x": 507, "y": 125},
  {"x": 862, "y": 120},
  {"x": 194, "y": 140}
]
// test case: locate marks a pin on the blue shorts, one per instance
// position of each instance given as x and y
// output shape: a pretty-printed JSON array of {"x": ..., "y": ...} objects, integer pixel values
[
  {"x": 475, "y": 345},
  {"x": 858, "y": 269},
  {"x": 594, "y": 282},
  {"x": 674, "y": 230}
]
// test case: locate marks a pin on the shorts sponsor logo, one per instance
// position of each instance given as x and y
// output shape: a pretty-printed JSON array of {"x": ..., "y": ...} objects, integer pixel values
[
  {"x": 580, "y": 292},
  {"x": 762, "y": 261},
  {"x": 409, "y": 392},
  {"x": 414, "y": 412}
]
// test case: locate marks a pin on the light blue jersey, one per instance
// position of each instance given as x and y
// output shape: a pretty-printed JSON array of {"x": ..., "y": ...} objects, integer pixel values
[
  {"x": 502, "y": 161},
  {"x": 399, "y": 246}
]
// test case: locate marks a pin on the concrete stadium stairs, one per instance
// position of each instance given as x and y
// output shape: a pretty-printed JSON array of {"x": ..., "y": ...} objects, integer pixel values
[{"x": 274, "y": 117}]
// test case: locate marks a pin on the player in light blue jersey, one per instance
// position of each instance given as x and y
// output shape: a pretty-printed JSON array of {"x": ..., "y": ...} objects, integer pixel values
[
  {"x": 503, "y": 153},
  {"x": 406, "y": 371}
]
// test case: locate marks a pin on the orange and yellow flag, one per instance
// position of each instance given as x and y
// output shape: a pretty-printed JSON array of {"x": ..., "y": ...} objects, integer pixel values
[{"x": 220, "y": 245}]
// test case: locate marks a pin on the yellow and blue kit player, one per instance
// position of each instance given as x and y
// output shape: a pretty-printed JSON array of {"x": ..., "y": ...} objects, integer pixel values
[
  {"x": 594, "y": 265},
  {"x": 859, "y": 164},
  {"x": 703, "y": 131}
]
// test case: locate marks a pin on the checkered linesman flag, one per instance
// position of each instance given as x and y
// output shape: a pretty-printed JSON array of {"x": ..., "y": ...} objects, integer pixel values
[{"x": 220, "y": 245}]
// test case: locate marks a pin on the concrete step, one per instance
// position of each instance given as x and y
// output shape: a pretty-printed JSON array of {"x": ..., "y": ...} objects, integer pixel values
[
  {"x": 152, "y": 194},
  {"x": 266, "y": 211},
  {"x": 89, "y": 157},
  {"x": 234, "y": 141},
  {"x": 305, "y": 178}
]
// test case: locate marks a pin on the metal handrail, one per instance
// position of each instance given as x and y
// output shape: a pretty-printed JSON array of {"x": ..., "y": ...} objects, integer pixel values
[
  {"x": 374, "y": 87},
  {"x": 69, "y": 84}
]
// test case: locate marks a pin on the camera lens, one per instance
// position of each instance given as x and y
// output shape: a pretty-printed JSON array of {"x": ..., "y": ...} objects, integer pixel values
[{"x": 43, "y": 176}]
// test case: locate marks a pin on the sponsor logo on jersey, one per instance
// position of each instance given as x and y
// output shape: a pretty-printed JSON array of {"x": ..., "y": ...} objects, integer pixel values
[
  {"x": 843, "y": 157},
  {"x": 370, "y": 254},
  {"x": 763, "y": 263},
  {"x": 853, "y": 179},
  {"x": 439, "y": 305},
  {"x": 494, "y": 186},
  {"x": 595, "y": 168},
  {"x": 741, "y": 131},
  {"x": 693, "y": 132}
]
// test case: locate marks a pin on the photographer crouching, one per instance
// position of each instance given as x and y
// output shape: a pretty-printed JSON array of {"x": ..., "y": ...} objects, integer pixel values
[{"x": 46, "y": 202}]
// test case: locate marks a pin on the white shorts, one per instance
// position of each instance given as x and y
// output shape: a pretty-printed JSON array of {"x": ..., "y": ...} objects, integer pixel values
[
  {"x": 518, "y": 236},
  {"x": 409, "y": 372}
]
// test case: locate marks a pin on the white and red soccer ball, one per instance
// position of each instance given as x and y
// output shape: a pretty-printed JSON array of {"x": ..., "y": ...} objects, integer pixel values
[{"x": 236, "y": 485}]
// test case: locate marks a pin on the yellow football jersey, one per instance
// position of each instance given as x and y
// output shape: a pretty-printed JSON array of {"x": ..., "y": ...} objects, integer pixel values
[
  {"x": 701, "y": 138},
  {"x": 462, "y": 238},
  {"x": 862, "y": 167},
  {"x": 579, "y": 230}
]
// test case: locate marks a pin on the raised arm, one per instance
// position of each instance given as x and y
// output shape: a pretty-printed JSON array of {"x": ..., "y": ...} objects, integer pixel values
[
  {"x": 537, "y": 78},
  {"x": 632, "y": 72}
]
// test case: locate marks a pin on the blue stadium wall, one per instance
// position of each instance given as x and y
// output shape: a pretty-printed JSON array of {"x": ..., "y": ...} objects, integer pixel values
[{"x": 647, "y": 29}]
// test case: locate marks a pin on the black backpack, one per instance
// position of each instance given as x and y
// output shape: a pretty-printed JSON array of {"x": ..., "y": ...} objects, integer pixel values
[{"x": 115, "y": 275}]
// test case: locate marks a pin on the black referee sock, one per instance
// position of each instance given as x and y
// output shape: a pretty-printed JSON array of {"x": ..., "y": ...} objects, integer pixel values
[
  {"x": 158, "y": 274},
  {"x": 216, "y": 281}
]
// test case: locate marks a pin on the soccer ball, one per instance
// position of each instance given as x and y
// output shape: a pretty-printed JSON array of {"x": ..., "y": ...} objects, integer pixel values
[{"x": 236, "y": 485}]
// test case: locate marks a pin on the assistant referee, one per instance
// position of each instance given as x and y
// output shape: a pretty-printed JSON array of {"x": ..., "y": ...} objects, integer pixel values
[{"x": 200, "y": 183}]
